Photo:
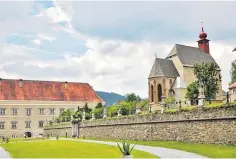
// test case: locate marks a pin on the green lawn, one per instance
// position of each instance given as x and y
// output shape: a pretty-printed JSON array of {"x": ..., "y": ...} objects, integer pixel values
[
  {"x": 207, "y": 150},
  {"x": 66, "y": 149}
]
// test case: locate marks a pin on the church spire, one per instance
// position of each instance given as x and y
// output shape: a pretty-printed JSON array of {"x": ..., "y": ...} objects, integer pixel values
[{"x": 203, "y": 43}]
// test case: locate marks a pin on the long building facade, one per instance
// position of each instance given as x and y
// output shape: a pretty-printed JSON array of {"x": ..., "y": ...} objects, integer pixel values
[{"x": 27, "y": 105}]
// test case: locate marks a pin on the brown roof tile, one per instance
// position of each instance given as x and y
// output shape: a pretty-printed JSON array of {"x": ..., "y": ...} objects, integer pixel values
[{"x": 46, "y": 90}]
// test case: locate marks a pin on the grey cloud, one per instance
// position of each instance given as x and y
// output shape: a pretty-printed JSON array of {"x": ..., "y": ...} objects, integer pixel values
[{"x": 160, "y": 21}]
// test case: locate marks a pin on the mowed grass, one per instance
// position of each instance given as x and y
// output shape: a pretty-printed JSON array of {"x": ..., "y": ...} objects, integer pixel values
[
  {"x": 207, "y": 150},
  {"x": 66, "y": 149}
]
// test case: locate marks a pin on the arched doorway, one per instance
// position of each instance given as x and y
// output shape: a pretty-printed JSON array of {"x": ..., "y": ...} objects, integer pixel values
[
  {"x": 28, "y": 134},
  {"x": 159, "y": 90},
  {"x": 152, "y": 99}
]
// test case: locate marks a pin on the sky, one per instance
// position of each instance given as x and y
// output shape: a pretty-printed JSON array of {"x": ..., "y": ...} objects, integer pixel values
[{"x": 110, "y": 45}]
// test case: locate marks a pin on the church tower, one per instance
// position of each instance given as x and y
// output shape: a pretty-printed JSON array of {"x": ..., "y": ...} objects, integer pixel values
[{"x": 203, "y": 43}]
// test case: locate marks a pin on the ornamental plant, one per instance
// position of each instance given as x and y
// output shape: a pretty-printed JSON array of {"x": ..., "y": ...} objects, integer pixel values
[{"x": 125, "y": 148}]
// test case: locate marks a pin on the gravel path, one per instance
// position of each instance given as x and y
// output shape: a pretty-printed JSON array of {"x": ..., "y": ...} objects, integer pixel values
[
  {"x": 3, "y": 153},
  {"x": 158, "y": 151}
]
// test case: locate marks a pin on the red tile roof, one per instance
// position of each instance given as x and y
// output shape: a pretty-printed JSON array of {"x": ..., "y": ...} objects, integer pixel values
[
  {"x": 46, "y": 90},
  {"x": 233, "y": 85}
]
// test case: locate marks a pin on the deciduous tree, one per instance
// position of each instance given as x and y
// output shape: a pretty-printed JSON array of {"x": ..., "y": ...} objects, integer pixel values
[
  {"x": 233, "y": 72},
  {"x": 207, "y": 78},
  {"x": 192, "y": 92}
]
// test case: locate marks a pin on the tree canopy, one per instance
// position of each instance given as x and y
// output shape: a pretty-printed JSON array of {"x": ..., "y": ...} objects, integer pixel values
[
  {"x": 192, "y": 92},
  {"x": 207, "y": 78},
  {"x": 132, "y": 97},
  {"x": 233, "y": 71}
]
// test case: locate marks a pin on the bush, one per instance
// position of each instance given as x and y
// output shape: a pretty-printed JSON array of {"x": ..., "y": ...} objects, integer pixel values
[
  {"x": 188, "y": 108},
  {"x": 98, "y": 112},
  {"x": 213, "y": 105},
  {"x": 112, "y": 111},
  {"x": 5, "y": 139},
  {"x": 144, "y": 104},
  {"x": 171, "y": 111}
]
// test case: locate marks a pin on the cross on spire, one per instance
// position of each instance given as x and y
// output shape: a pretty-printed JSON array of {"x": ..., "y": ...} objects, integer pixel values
[{"x": 202, "y": 23}]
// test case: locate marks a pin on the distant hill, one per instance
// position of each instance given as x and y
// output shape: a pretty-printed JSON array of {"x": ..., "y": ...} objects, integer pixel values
[{"x": 110, "y": 98}]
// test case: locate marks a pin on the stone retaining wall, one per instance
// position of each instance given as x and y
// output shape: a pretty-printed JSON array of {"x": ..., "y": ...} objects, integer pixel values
[
  {"x": 63, "y": 131},
  {"x": 211, "y": 131},
  {"x": 213, "y": 126}
]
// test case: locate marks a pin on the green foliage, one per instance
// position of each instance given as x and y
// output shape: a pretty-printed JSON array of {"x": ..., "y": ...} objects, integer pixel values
[
  {"x": 99, "y": 105},
  {"x": 112, "y": 111},
  {"x": 213, "y": 105},
  {"x": 125, "y": 149},
  {"x": 188, "y": 108},
  {"x": 65, "y": 116},
  {"x": 169, "y": 101},
  {"x": 144, "y": 104},
  {"x": 57, "y": 120},
  {"x": 51, "y": 122},
  {"x": 233, "y": 72},
  {"x": 128, "y": 108},
  {"x": 192, "y": 91},
  {"x": 98, "y": 113},
  {"x": 79, "y": 112},
  {"x": 171, "y": 111},
  {"x": 132, "y": 97},
  {"x": 5, "y": 140},
  {"x": 87, "y": 109},
  {"x": 206, "y": 74}
]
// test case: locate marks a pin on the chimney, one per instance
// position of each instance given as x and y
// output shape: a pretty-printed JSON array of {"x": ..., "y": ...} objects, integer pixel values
[
  {"x": 203, "y": 43},
  {"x": 20, "y": 83},
  {"x": 66, "y": 84}
]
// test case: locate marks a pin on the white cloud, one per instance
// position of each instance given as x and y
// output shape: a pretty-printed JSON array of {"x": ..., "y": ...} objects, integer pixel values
[
  {"x": 45, "y": 37},
  {"x": 56, "y": 14},
  {"x": 36, "y": 41}
]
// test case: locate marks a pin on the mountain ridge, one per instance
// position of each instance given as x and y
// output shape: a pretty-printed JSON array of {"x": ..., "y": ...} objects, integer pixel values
[{"x": 110, "y": 98}]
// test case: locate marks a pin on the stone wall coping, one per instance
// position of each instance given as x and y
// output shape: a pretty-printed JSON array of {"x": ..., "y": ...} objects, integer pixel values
[
  {"x": 57, "y": 128},
  {"x": 166, "y": 121}
]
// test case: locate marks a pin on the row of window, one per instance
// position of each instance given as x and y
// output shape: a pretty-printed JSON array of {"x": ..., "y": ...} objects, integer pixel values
[
  {"x": 28, "y": 111},
  {"x": 15, "y": 123}
]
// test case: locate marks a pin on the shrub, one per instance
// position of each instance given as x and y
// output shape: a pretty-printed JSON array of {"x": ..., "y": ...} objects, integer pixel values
[
  {"x": 213, "y": 105},
  {"x": 112, "y": 110},
  {"x": 5, "y": 139},
  {"x": 98, "y": 112},
  {"x": 188, "y": 108},
  {"x": 171, "y": 111}
]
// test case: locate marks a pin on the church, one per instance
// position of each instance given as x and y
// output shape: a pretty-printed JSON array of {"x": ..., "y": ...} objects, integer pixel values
[{"x": 170, "y": 77}]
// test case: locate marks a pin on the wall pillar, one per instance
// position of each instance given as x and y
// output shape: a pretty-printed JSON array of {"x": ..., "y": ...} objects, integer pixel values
[
  {"x": 75, "y": 128},
  {"x": 164, "y": 87},
  {"x": 155, "y": 91}
]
